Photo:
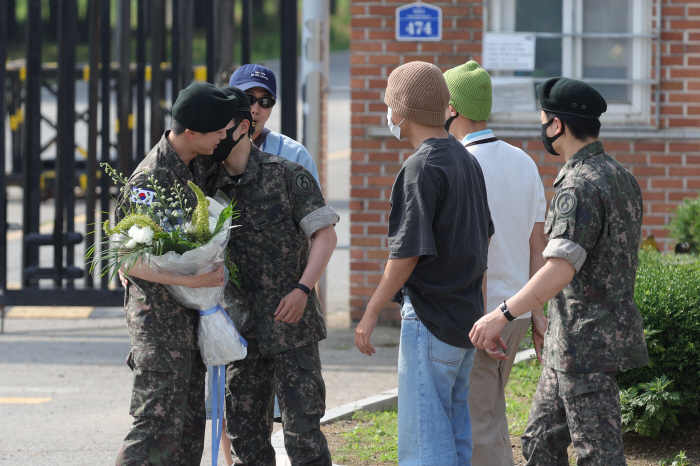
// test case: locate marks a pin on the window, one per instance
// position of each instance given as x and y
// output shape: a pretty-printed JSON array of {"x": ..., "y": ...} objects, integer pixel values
[{"x": 606, "y": 43}]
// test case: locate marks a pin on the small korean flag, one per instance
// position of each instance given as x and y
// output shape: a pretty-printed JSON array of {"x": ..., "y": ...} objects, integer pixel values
[{"x": 142, "y": 196}]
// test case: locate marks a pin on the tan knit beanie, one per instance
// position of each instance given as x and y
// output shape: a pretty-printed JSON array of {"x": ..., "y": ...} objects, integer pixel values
[{"x": 417, "y": 91}]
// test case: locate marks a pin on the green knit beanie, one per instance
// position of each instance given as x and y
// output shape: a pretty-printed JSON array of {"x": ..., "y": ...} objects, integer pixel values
[{"x": 470, "y": 90}]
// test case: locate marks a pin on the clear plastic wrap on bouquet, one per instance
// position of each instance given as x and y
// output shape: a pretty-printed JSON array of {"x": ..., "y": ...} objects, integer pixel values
[{"x": 218, "y": 340}]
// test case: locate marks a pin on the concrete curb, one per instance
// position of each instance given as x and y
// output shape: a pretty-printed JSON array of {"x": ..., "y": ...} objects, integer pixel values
[{"x": 388, "y": 399}]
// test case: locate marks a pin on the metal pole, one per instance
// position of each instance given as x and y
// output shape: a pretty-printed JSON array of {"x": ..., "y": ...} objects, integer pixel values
[
  {"x": 187, "y": 31},
  {"x": 3, "y": 192},
  {"x": 288, "y": 63},
  {"x": 658, "y": 64},
  {"x": 175, "y": 52},
  {"x": 212, "y": 59},
  {"x": 65, "y": 133},
  {"x": 124, "y": 104},
  {"x": 246, "y": 30},
  {"x": 141, "y": 82},
  {"x": 106, "y": 131},
  {"x": 91, "y": 194},
  {"x": 225, "y": 38},
  {"x": 157, "y": 56},
  {"x": 32, "y": 161}
]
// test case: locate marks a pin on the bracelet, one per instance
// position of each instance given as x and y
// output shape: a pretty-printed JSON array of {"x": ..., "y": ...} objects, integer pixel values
[
  {"x": 506, "y": 312},
  {"x": 302, "y": 287}
]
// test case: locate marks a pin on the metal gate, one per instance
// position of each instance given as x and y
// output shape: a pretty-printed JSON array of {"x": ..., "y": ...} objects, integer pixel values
[{"x": 117, "y": 96}]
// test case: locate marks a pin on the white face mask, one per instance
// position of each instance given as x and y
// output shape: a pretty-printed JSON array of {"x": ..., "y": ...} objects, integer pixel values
[{"x": 395, "y": 129}]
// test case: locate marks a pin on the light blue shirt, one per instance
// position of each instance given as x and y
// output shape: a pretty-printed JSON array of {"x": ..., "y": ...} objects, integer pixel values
[
  {"x": 468, "y": 137},
  {"x": 283, "y": 146}
]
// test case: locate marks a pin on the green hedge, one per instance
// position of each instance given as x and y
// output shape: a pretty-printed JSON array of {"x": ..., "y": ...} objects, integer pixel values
[{"x": 667, "y": 294}]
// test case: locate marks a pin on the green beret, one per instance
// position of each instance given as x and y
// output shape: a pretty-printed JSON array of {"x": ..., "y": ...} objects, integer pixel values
[
  {"x": 242, "y": 97},
  {"x": 204, "y": 108},
  {"x": 571, "y": 97}
]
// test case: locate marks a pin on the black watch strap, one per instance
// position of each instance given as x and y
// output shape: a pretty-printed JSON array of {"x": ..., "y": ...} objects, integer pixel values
[
  {"x": 506, "y": 312},
  {"x": 302, "y": 287}
]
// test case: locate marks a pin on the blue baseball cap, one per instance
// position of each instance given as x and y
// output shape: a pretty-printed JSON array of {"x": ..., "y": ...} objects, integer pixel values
[{"x": 249, "y": 76}]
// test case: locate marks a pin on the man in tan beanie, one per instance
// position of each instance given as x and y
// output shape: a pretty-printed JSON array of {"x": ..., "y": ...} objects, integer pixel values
[
  {"x": 439, "y": 228},
  {"x": 518, "y": 206}
]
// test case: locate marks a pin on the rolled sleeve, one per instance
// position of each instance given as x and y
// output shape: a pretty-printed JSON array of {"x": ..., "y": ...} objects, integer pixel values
[
  {"x": 566, "y": 249},
  {"x": 318, "y": 220}
]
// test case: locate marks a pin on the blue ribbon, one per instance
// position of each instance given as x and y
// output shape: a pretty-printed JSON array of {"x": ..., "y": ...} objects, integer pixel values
[
  {"x": 214, "y": 310},
  {"x": 217, "y": 407}
]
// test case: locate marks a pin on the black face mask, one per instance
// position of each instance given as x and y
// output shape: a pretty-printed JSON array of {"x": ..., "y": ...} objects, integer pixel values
[
  {"x": 223, "y": 149},
  {"x": 547, "y": 141},
  {"x": 449, "y": 121}
]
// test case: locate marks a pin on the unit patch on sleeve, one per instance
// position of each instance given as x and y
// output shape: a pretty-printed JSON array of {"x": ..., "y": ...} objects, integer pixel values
[
  {"x": 565, "y": 204},
  {"x": 142, "y": 196},
  {"x": 303, "y": 183}
]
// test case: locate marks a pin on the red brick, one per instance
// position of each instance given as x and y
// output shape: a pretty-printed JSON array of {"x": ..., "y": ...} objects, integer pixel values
[
  {"x": 365, "y": 95},
  {"x": 384, "y": 59},
  {"x": 358, "y": 83},
  {"x": 356, "y": 34},
  {"x": 401, "y": 47},
  {"x": 672, "y": 110},
  {"x": 653, "y": 196},
  {"x": 357, "y": 230},
  {"x": 665, "y": 159},
  {"x": 366, "y": 22},
  {"x": 650, "y": 146},
  {"x": 357, "y": 278},
  {"x": 683, "y": 171},
  {"x": 667, "y": 11},
  {"x": 377, "y": 230},
  {"x": 677, "y": 195},
  {"x": 469, "y": 24},
  {"x": 380, "y": 181},
  {"x": 364, "y": 266},
  {"x": 468, "y": 47},
  {"x": 357, "y": 107},
  {"x": 666, "y": 183},
  {"x": 357, "y": 59},
  {"x": 437, "y": 47},
  {"x": 693, "y": 61},
  {"x": 684, "y": 147},
  {"x": 383, "y": 157},
  {"x": 381, "y": 35},
  {"x": 366, "y": 241},
  {"x": 693, "y": 110},
  {"x": 685, "y": 97},
  {"x": 357, "y": 254},
  {"x": 382, "y": 254},
  {"x": 655, "y": 220},
  {"x": 649, "y": 171},
  {"x": 367, "y": 193},
  {"x": 357, "y": 10},
  {"x": 671, "y": 36},
  {"x": 693, "y": 86},
  {"x": 692, "y": 159},
  {"x": 694, "y": 36},
  {"x": 382, "y": 10},
  {"x": 693, "y": 11},
  {"x": 379, "y": 205},
  {"x": 357, "y": 119},
  {"x": 657, "y": 208},
  {"x": 366, "y": 70},
  {"x": 616, "y": 146},
  {"x": 672, "y": 85},
  {"x": 457, "y": 11},
  {"x": 684, "y": 122},
  {"x": 685, "y": 24},
  {"x": 693, "y": 184}
]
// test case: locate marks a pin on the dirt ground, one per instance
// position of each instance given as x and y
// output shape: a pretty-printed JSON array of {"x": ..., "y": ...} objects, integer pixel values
[{"x": 639, "y": 451}]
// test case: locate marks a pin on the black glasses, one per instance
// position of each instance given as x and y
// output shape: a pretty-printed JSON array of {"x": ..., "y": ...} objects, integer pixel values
[{"x": 265, "y": 102}]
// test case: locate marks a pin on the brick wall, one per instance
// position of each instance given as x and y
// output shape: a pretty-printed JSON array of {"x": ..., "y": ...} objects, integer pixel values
[{"x": 666, "y": 163}]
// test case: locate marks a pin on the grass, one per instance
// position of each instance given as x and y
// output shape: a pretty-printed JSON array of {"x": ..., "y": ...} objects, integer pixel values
[
  {"x": 519, "y": 392},
  {"x": 374, "y": 438}
]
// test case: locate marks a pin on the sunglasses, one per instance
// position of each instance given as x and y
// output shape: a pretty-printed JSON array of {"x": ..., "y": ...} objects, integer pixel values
[{"x": 265, "y": 102}]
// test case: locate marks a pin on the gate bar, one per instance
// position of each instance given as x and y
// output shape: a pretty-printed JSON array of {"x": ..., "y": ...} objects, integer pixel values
[
  {"x": 157, "y": 30},
  {"x": 91, "y": 194},
  {"x": 288, "y": 63},
  {"x": 175, "y": 53},
  {"x": 3, "y": 193},
  {"x": 246, "y": 31},
  {"x": 124, "y": 104},
  {"x": 141, "y": 82},
  {"x": 105, "y": 182},
  {"x": 32, "y": 161}
]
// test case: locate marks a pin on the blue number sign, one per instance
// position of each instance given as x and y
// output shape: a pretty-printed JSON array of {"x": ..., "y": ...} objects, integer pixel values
[{"x": 418, "y": 22}]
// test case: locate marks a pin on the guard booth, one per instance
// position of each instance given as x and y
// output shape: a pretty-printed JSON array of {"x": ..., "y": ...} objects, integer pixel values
[{"x": 119, "y": 111}]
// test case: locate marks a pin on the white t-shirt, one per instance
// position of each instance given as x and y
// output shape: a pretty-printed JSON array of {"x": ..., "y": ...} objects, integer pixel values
[{"x": 516, "y": 200}]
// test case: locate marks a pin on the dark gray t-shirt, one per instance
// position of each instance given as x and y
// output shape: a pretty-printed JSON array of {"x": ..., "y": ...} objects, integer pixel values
[{"x": 439, "y": 211}]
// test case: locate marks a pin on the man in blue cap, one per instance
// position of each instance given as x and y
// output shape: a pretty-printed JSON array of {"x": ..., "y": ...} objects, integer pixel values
[{"x": 260, "y": 84}]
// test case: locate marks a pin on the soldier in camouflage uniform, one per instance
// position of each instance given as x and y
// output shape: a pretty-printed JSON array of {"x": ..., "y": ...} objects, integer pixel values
[
  {"x": 167, "y": 401},
  {"x": 594, "y": 227},
  {"x": 276, "y": 309}
]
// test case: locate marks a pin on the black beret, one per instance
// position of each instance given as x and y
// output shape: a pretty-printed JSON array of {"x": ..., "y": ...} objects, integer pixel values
[
  {"x": 571, "y": 97},
  {"x": 242, "y": 97},
  {"x": 204, "y": 108}
]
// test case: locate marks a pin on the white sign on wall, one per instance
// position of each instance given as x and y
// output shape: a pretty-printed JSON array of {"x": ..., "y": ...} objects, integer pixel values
[
  {"x": 512, "y": 94},
  {"x": 511, "y": 51}
]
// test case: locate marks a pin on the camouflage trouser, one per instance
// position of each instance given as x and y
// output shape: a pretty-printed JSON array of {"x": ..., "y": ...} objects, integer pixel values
[
  {"x": 167, "y": 403},
  {"x": 295, "y": 376},
  {"x": 583, "y": 408}
]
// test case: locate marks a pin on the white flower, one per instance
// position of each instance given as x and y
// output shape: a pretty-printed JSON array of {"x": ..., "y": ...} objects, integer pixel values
[
  {"x": 131, "y": 244},
  {"x": 212, "y": 224},
  {"x": 189, "y": 228},
  {"x": 141, "y": 235}
]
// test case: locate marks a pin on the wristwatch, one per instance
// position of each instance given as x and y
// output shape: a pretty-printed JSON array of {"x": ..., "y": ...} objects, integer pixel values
[
  {"x": 506, "y": 312},
  {"x": 302, "y": 287}
]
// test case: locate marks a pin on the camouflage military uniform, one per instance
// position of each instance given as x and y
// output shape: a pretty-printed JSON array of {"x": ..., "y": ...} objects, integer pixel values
[
  {"x": 281, "y": 208},
  {"x": 167, "y": 401},
  {"x": 595, "y": 329}
]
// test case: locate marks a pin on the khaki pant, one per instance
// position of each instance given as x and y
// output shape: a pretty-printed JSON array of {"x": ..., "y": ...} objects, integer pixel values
[{"x": 487, "y": 400}]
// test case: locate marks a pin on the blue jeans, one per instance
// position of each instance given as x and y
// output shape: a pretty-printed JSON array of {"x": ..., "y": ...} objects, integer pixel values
[{"x": 434, "y": 424}]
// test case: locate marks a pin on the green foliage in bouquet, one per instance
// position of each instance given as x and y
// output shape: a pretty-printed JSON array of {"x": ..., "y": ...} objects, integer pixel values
[{"x": 167, "y": 224}]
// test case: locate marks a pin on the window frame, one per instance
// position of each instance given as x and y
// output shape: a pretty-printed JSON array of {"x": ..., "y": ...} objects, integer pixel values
[{"x": 638, "y": 111}]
